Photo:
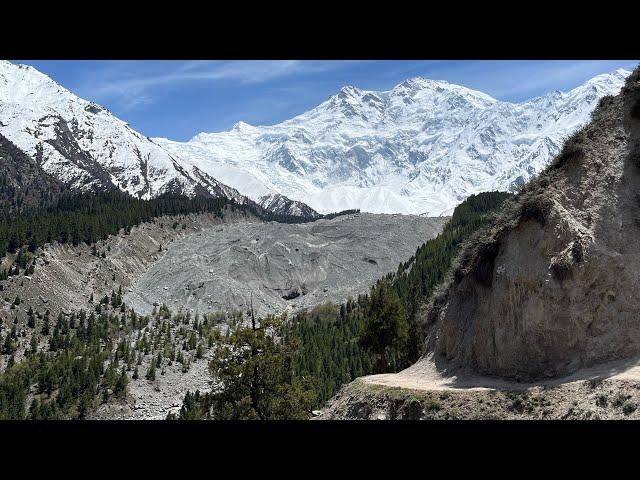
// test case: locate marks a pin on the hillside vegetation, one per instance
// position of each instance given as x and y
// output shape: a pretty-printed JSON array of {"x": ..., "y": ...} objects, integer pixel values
[
  {"x": 381, "y": 332},
  {"x": 23, "y": 184}
]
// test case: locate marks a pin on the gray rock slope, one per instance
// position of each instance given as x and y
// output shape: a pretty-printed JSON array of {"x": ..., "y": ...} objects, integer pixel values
[
  {"x": 282, "y": 267},
  {"x": 551, "y": 287}
]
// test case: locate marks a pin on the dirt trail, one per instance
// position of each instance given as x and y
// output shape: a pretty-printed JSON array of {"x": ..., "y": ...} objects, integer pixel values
[
  {"x": 425, "y": 376},
  {"x": 606, "y": 391}
]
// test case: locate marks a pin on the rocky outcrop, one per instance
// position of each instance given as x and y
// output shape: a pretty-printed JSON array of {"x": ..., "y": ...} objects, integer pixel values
[
  {"x": 23, "y": 184},
  {"x": 280, "y": 204},
  {"x": 550, "y": 287}
]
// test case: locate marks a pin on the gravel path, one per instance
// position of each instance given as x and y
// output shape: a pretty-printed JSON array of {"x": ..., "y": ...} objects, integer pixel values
[{"x": 424, "y": 375}]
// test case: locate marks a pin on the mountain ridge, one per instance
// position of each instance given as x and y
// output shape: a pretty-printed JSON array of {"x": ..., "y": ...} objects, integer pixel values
[
  {"x": 419, "y": 148},
  {"x": 87, "y": 148}
]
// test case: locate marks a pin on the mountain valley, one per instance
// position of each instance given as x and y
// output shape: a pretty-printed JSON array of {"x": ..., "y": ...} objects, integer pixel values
[{"x": 424, "y": 252}]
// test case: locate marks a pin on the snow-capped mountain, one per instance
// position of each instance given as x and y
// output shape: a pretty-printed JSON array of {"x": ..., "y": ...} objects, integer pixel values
[
  {"x": 419, "y": 148},
  {"x": 84, "y": 146},
  {"x": 276, "y": 203}
]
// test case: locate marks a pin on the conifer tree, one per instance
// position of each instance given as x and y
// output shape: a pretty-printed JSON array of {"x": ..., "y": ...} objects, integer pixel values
[
  {"x": 151, "y": 373},
  {"x": 120, "y": 389},
  {"x": 386, "y": 330}
]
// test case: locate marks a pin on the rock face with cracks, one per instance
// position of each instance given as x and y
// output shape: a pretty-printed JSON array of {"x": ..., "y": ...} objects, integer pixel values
[{"x": 280, "y": 267}]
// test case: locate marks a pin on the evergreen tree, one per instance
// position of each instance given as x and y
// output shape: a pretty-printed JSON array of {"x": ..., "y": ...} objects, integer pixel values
[
  {"x": 31, "y": 319},
  {"x": 8, "y": 347},
  {"x": 386, "y": 330},
  {"x": 257, "y": 378},
  {"x": 120, "y": 389},
  {"x": 151, "y": 373},
  {"x": 45, "y": 325}
]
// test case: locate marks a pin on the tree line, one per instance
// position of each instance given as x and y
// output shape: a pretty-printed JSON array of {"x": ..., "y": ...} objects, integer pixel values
[{"x": 90, "y": 217}]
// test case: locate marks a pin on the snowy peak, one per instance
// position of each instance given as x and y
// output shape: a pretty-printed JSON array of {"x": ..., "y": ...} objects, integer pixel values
[
  {"x": 85, "y": 147},
  {"x": 23, "y": 84},
  {"x": 348, "y": 103},
  {"x": 603, "y": 80},
  {"x": 373, "y": 106},
  {"x": 241, "y": 127},
  {"x": 424, "y": 88},
  {"x": 411, "y": 86},
  {"x": 421, "y": 147},
  {"x": 349, "y": 91},
  {"x": 280, "y": 204}
]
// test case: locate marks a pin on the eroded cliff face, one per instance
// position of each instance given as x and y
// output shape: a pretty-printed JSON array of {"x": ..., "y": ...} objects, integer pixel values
[{"x": 552, "y": 285}]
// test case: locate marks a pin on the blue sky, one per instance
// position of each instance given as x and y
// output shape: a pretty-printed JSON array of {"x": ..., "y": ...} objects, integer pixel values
[{"x": 178, "y": 99}]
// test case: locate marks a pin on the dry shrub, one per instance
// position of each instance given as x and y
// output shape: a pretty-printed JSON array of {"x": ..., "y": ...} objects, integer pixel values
[
  {"x": 572, "y": 153},
  {"x": 560, "y": 268},
  {"x": 535, "y": 207}
]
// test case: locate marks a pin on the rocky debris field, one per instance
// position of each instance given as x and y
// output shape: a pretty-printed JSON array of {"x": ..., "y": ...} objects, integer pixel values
[
  {"x": 66, "y": 276},
  {"x": 286, "y": 266},
  {"x": 280, "y": 267}
]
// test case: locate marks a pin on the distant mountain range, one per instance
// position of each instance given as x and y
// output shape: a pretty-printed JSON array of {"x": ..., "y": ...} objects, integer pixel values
[{"x": 419, "y": 148}]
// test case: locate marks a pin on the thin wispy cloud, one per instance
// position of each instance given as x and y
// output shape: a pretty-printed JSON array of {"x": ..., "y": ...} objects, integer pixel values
[{"x": 132, "y": 87}]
